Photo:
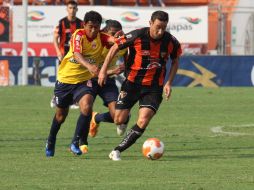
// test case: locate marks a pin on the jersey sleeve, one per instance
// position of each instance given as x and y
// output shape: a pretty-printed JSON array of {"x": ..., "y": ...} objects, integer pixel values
[
  {"x": 126, "y": 40},
  {"x": 177, "y": 50},
  {"x": 105, "y": 40},
  {"x": 76, "y": 41}
]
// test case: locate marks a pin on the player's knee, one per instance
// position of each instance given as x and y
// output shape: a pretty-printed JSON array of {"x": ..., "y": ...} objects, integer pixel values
[
  {"x": 60, "y": 118},
  {"x": 118, "y": 120},
  {"x": 86, "y": 109},
  {"x": 142, "y": 122}
]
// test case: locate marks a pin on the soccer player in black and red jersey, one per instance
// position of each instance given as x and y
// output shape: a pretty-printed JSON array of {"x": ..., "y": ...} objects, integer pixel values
[
  {"x": 149, "y": 50},
  {"x": 65, "y": 28}
]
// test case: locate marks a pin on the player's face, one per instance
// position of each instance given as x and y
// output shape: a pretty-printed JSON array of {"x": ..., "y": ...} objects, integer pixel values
[
  {"x": 92, "y": 29},
  {"x": 72, "y": 10},
  {"x": 112, "y": 31},
  {"x": 157, "y": 28}
]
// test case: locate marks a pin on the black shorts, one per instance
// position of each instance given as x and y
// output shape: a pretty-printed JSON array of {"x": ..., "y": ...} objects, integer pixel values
[
  {"x": 108, "y": 92},
  {"x": 131, "y": 93},
  {"x": 68, "y": 94}
]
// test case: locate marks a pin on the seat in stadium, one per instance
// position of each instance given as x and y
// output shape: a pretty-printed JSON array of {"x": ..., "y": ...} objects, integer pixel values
[
  {"x": 123, "y": 2},
  {"x": 83, "y": 2}
]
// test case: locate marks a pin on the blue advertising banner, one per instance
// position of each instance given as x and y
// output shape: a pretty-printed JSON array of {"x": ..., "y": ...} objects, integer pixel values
[
  {"x": 41, "y": 70},
  {"x": 215, "y": 71},
  {"x": 205, "y": 71}
]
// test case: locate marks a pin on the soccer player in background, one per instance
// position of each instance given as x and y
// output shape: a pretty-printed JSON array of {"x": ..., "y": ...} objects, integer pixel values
[
  {"x": 149, "y": 50},
  {"x": 62, "y": 34},
  {"x": 74, "y": 82},
  {"x": 65, "y": 28},
  {"x": 109, "y": 92}
]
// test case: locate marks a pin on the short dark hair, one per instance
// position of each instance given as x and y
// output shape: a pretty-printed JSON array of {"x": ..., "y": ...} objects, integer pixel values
[
  {"x": 72, "y": 3},
  {"x": 113, "y": 24},
  {"x": 93, "y": 16},
  {"x": 160, "y": 15}
]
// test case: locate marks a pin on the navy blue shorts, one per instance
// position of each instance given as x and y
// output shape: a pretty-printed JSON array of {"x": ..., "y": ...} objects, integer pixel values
[
  {"x": 131, "y": 93},
  {"x": 68, "y": 94},
  {"x": 108, "y": 92}
]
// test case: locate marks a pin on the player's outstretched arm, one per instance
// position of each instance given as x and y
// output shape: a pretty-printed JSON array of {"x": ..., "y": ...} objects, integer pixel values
[
  {"x": 102, "y": 77},
  {"x": 172, "y": 72}
]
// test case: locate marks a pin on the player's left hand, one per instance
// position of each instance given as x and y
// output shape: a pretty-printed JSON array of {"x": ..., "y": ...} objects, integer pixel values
[
  {"x": 102, "y": 78},
  {"x": 167, "y": 91}
]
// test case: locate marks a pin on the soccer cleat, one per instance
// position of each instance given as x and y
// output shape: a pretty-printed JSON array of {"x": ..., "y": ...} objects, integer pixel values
[
  {"x": 53, "y": 102},
  {"x": 93, "y": 126},
  {"x": 75, "y": 149},
  {"x": 121, "y": 129},
  {"x": 115, "y": 155},
  {"x": 84, "y": 149},
  {"x": 74, "y": 106},
  {"x": 50, "y": 149}
]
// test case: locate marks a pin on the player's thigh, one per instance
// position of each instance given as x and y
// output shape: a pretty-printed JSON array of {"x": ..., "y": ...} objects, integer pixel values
[
  {"x": 128, "y": 96},
  {"x": 109, "y": 92},
  {"x": 151, "y": 100},
  {"x": 63, "y": 95},
  {"x": 84, "y": 94}
]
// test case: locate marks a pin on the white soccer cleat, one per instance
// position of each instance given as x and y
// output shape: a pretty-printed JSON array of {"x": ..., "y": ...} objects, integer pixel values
[
  {"x": 121, "y": 129},
  {"x": 115, "y": 155},
  {"x": 74, "y": 106}
]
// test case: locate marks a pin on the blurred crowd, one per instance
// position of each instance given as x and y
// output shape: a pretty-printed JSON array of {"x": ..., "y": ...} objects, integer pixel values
[{"x": 84, "y": 2}]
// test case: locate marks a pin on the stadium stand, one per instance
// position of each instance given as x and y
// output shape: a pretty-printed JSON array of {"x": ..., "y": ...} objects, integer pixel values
[
  {"x": 228, "y": 7},
  {"x": 130, "y": 2}
]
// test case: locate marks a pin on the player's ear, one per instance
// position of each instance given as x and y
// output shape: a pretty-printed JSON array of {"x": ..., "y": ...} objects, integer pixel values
[{"x": 150, "y": 22}]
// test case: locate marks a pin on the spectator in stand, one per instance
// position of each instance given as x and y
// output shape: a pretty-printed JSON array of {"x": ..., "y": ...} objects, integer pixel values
[
  {"x": 7, "y": 3},
  {"x": 39, "y": 2},
  {"x": 159, "y": 3},
  {"x": 59, "y": 2},
  {"x": 96, "y": 2}
]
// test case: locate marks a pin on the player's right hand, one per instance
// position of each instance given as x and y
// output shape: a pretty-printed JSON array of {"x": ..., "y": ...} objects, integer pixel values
[{"x": 94, "y": 70}]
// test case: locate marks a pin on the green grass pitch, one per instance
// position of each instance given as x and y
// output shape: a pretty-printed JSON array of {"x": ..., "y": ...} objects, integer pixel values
[{"x": 208, "y": 136}]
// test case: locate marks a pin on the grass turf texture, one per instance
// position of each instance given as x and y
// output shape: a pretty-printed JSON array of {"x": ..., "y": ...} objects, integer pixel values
[{"x": 195, "y": 158}]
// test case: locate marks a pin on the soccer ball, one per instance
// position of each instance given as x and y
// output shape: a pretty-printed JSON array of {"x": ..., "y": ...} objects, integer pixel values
[{"x": 153, "y": 148}]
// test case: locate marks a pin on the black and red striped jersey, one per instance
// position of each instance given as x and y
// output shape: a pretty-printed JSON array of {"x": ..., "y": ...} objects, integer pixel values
[
  {"x": 65, "y": 29},
  {"x": 146, "y": 63}
]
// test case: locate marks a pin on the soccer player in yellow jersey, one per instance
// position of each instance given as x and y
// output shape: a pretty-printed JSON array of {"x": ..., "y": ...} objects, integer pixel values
[
  {"x": 109, "y": 92},
  {"x": 74, "y": 84}
]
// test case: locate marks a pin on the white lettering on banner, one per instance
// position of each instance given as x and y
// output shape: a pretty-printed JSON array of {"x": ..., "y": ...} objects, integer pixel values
[
  {"x": 32, "y": 52},
  {"x": 44, "y": 52},
  {"x": 252, "y": 75},
  {"x": 29, "y": 72},
  {"x": 46, "y": 73},
  {"x": 9, "y": 51},
  {"x": 49, "y": 72}
]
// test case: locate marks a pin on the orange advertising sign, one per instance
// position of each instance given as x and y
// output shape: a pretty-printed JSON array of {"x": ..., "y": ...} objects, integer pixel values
[{"x": 4, "y": 73}]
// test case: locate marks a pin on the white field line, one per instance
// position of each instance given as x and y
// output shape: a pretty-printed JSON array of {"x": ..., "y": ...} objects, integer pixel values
[{"x": 218, "y": 130}]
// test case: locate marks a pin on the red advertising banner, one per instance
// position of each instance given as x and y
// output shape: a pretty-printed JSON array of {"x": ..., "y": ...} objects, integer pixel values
[{"x": 34, "y": 49}]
